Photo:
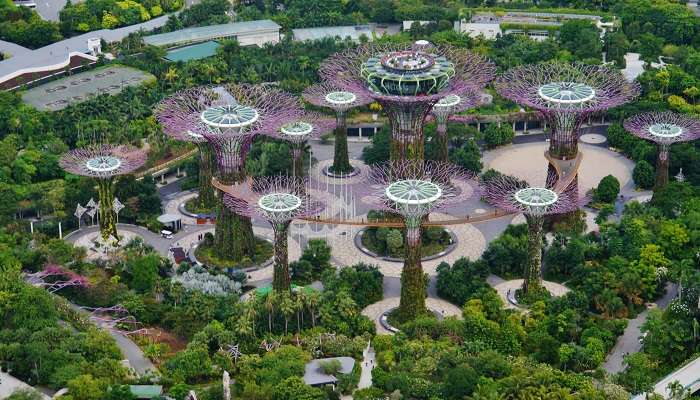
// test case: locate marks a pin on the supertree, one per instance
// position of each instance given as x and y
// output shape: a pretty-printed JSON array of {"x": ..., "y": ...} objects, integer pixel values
[
  {"x": 413, "y": 190},
  {"x": 298, "y": 132},
  {"x": 512, "y": 195},
  {"x": 278, "y": 200},
  {"x": 566, "y": 95},
  {"x": 177, "y": 114},
  {"x": 230, "y": 117},
  {"x": 442, "y": 111},
  {"x": 104, "y": 162},
  {"x": 407, "y": 80},
  {"x": 341, "y": 101},
  {"x": 664, "y": 129}
]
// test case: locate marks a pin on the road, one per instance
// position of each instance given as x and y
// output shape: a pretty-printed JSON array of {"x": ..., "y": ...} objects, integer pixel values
[{"x": 629, "y": 343}]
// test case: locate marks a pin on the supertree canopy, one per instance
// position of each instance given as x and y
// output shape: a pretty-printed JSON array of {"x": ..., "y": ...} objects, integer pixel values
[
  {"x": 664, "y": 129},
  {"x": 414, "y": 190},
  {"x": 278, "y": 200},
  {"x": 177, "y": 115},
  {"x": 298, "y": 132},
  {"x": 566, "y": 94},
  {"x": 535, "y": 203},
  {"x": 229, "y": 118},
  {"x": 407, "y": 80},
  {"x": 441, "y": 111},
  {"x": 341, "y": 101},
  {"x": 104, "y": 162}
]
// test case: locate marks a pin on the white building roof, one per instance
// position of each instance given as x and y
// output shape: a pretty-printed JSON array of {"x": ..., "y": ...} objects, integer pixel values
[{"x": 205, "y": 33}]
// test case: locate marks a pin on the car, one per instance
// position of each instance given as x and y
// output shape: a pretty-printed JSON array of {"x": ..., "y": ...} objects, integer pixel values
[{"x": 166, "y": 234}]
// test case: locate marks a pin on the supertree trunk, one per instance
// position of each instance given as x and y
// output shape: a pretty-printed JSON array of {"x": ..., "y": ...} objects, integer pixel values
[
  {"x": 563, "y": 143},
  {"x": 207, "y": 196},
  {"x": 280, "y": 279},
  {"x": 532, "y": 279},
  {"x": 233, "y": 234},
  {"x": 298, "y": 159},
  {"x": 407, "y": 129},
  {"x": 412, "y": 303},
  {"x": 107, "y": 216},
  {"x": 661, "y": 168},
  {"x": 341, "y": 159},
  {"x": 441, "y": 141}
]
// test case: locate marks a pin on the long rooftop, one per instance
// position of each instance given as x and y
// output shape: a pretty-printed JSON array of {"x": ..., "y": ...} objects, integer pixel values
[{"x": 206, "y": 33}]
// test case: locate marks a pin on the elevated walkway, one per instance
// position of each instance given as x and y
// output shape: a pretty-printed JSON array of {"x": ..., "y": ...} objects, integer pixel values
[{"x": 688, "y": 376}]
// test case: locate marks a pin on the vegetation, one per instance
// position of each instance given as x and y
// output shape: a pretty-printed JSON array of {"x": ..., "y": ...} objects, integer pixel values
[{"x": 389, "y": 242}]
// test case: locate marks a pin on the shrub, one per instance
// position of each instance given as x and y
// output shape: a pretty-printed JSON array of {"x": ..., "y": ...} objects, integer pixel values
[
  {"x": 331, "y": 367},
  {"x": 495, "y": 135},
  {"x": 607, "y": 190},
  {"x": 643, "y": 174}
]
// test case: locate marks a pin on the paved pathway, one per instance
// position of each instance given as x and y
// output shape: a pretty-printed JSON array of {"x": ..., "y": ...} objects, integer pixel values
[
  {"x": 374, "y": 311},
  {"x": 9, "y": 384},
  {"x": 368, "y": 363},
  {"x": 629, "y": 343}
]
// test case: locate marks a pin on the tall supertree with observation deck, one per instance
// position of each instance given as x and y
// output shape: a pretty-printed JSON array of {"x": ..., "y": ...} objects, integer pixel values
[
  {"x": 442, "y": 111},
  {"x": 413, "y": 190},
  {"x": 341, "y": 101},
  {"x": 298, "y": 132},
  {"x": 512, "y": 195},
  {"x": 664, "y": 129},
  {"x": 278, "y": 200},
  {"x": 177, "y": 114},
  {"x": 566, "y": 95},
  {"x": 231, "y": 117},
  {"x": 104, "y": 163},
  {"x": 407, "y": 80}
]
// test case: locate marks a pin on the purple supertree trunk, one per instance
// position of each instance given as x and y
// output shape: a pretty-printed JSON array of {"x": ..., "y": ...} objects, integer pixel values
[
  {"x": 279, "y": 200},
  {"x": 566, "y": 94},
  {"x": 664, "y": 129},
  {"x": 104, "y": 162},
  {"x": 535, "y": 203},
  {"x": 388, "y": 73},
  {"x": 413, "y": 190}
]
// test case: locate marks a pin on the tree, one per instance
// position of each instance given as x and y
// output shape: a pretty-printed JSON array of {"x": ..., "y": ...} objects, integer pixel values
[
  {"x": 468, "y": 156},
  {"x": 120, "y": 392},
  {"x": 495, "y": 135},
  {"x": 25, "y": 394},
  {"x": 643, "y": 174},
  {"x": 318, "y": 254},
  {"x": 581, "y": 38},
  {"x": 144, "y": 272},
  {"x": 640, "y": 373},
  {"x": 294, "y": 388},
  {"x": 607, "y": 190},
  {"x": 85, "y": 387}
]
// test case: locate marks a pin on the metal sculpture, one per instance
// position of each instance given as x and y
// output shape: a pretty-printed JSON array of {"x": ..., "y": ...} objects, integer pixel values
[
  {"x": 512, "y": 195},
  {"x": 413, "y": 190},
  {"x": 407, "y": 80},
  {"x": 54, "y": 278},
  {"x": 566, "y": 95},
  {"x": 278, "y": 200},
  {"x": 298, "y": 132},
  {"x": 104, "y": 162},
  {"x": 341, "y": 101},
  {"x": 229, "y": 117},
  {"x": 442, "y": 111},
  {"x": 177, "y": 114},
  {"x": 664, "y": 129}
]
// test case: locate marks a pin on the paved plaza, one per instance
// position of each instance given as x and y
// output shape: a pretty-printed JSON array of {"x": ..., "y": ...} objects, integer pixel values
[
  {"x": 527, "y": 162},
  {"x": 77, "y": 88}
]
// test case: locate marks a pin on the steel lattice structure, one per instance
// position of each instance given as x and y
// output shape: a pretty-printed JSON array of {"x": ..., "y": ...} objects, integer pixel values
[
  {"x": 54, "y": 278},
  {"x": 278, "y": 200},
  {"x": 341, "y": 101},
  {"x": 442, "y": 111},
  {"x": 177, "y": 115},
  {"x": 566, "y": 94},
  {"x": 104, "y": 162},
  {"x": 664, "y": 129},
  {"x": 413, "y": 189},
  {"x": 512, "y": 195},
  {"x": 229, "y": 117},
  {"x": 407, "y": 80},
  {"x": 297, "y": 133}
]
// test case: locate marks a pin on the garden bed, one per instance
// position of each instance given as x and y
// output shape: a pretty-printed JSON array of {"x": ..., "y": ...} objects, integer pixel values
[
  {"x": 383, "y": 243},
  {"x": 204, "y": 253}
]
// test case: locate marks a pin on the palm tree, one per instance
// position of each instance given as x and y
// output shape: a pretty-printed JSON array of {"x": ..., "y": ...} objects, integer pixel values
[
  {"x": 312, "y": 301},
  {"x": 287, "y": 308},
  {"x": 299, "y": 307},
  {"x": 171, "y": 75},
  {"x": 251, "y": 312},
  {"x": 270, "y": 301}
]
